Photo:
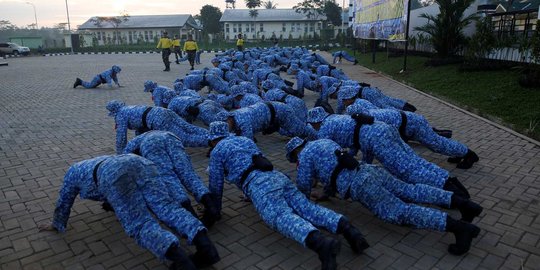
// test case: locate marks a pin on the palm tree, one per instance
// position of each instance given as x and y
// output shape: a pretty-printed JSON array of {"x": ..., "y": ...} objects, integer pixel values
[
  {"x": 253, "y": 13},
  {"x": 269, "y": 5},
  {"x": 446, "y": 28}
]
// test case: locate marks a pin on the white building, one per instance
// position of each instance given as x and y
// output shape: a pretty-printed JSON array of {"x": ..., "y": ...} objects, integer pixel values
[
  {"x": 140, "y": 29},
  {"x": 284, "y": 23}
]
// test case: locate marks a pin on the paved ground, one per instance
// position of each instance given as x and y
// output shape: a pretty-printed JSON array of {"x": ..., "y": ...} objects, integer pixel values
[{"x": 45, "y": 125}]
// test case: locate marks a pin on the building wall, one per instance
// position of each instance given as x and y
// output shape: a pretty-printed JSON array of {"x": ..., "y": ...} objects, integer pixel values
[
  {"x": 296, "y": 29},
  {"x": 135, "y": 36},
  {"x": 30, "y": 42}
]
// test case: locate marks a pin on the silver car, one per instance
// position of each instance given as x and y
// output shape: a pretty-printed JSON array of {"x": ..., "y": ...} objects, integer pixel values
[{"x": 13, "y": 48}]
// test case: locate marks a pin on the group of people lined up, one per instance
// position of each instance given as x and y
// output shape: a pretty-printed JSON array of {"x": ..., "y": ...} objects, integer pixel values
[
  {"x": 247, "y": 96},
  {"x": 168, "y": 46}
]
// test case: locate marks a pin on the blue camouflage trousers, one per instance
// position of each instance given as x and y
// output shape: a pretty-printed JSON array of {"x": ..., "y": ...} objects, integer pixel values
[
  {"x": 167, "y": 120},
  {"x": 96, "y": 81},
  {"x": 381, "y": 100},
  {"x": 384, "y": 195},
  {"x": 291, "y": 125},
  {"x": 285, "y": 209},
  {"x": 131, "y": 186},
  {"x": 420, "y": 130},
  {"x": 384, "y": 143}
]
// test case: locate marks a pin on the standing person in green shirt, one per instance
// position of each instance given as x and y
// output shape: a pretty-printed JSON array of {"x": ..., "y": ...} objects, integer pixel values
[
  {"x": 176, "y": 48},
  {"x": 240, "y": 43},
  {"x": 165, "y": 44},
  {"x": 191, "y": 48}
]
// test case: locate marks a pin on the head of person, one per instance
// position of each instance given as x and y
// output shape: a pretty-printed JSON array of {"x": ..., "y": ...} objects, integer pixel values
[
  {"x": 315, "y": 64},
  {"x": 239, "y": 36},
  {"x": 114, "y": 107},
  {"x": 116, "y": 69},
  {"x": 149, "y": 86},
  {"x": 190, "y": 37},
  {"x": 218, "y": 130},
  {"x": 333, "y": 90},
  {"x": 293, "y": 70},
  {"x": 238, "y": 92},
  {"x": 294, "y": 147},
  {"x": 316, "y": 116},
  {"x": 165, "y": 34},
  {"x": 267, "y": 85},
  {"x": 175, "y": 36},
  {"x": 348, "y": 95},
  {"x": 178, "y": 86},
  {"x": 215, "y": 62},
  {"x": 315, "y": 85}
]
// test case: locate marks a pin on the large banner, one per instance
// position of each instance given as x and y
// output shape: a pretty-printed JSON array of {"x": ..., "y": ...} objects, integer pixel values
[{"x": 380, "y": 19}]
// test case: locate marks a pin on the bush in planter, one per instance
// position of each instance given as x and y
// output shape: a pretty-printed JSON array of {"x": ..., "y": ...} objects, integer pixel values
[
  {"x": 480, "y": 45},
  {"x": 531, "y": 75}
]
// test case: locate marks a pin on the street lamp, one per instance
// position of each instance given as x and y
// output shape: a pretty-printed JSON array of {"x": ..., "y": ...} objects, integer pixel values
[
  {"x": 35, "y": 16},
  {"x": 69, "y": 27}
]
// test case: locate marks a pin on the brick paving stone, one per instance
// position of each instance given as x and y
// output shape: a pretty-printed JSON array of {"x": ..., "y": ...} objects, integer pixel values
[{"x": 46, "y": 126}]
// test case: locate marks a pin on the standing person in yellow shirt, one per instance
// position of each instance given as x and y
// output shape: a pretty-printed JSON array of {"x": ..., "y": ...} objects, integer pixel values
[
  {"x": 191, "y": 48},
  {"x": 165, "y": 44},
  {"x": 176, "y": 48},
  {"x": 240, "y": 43}
]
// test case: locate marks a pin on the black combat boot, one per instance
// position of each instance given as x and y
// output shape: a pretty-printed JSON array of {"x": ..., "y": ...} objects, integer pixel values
[
  {"x": 468, "y": 160},
  {"x": 206, "y": 254},
  {"x": 353, "y": 236},
  {"x": 464, "y": 234},
  {"x": 443, "y": 132},
  {"x": 409, "y": 107},
  {"x": 355, "y": 62},
  {"x": 460, "y": 190},
  {"x": 326, "y": 247},
  {"x": 179, "y": 258},
  {"x": 77, "y": 83},
  {"x": 468, "y": 209}
]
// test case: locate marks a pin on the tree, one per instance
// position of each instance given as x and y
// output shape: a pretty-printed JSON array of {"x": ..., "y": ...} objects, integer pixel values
[
  {"x": 251, "y": 4},
  {"x": 332, "y": 12},
  {"x": 209, "y": 18},
  {"x": 6, "y": 25},
  {"x": 482, "y": 43},
  {"x": 445, "y": 30},
  {"x": 311, "y": 8},
  {"x": 115, "y": 21},
  {"x": 269, "y": 5},
  {"x": 61, "y": 26}
]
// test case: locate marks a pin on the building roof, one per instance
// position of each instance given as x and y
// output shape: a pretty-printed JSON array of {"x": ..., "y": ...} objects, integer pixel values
[
  {"x": 519, "y": 6},
  {"x": 266, "y": 15},
  {"x": 146, "y": 21}
]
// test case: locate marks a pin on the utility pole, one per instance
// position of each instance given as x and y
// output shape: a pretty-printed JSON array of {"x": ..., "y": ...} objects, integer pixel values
[{"x": 69, "y": 27}]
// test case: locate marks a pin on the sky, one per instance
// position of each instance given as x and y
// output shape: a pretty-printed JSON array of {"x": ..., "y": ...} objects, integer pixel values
[{"x": 51, "y": 12}]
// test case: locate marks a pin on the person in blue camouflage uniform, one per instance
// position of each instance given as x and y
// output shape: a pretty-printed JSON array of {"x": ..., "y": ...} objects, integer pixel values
[
  {"x": 175, "y": 170},
  {"x": 332, "y": 71},
  {"x": 191, "y": 108},
  {"x": 380, "y": 192},
  {"x": 413, "y": 126},
  {"x": 107, "y": 76},
  {"x": 281, "y": 206},
  {"x": 343, "y": 54},
  {"x": 352, "y": 89},
  {"x": 131, "y": 185},
  {"x": 297, "y": 104},
  {"x": 198, "y": 82},
  {"x": 143, "y": 118},
  {"x": 181, "y": 91},
  {"x": 303, "y": 80},
  {"x": 258, "y": 118},
  {"x": 379, "y": 140},
  {"x": 161, "y": 95}
]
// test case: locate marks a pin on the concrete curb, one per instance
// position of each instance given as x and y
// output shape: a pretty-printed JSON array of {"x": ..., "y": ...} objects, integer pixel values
[{"x": 531, "y": 140}]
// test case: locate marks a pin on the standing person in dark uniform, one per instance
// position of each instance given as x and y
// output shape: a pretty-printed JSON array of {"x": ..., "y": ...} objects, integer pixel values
[
  {"x": 176, "y": 48},
  {"x": 240, "y": 43},
  {"x": 165, "y": 44},
  {"x": 191, "y": 48}
]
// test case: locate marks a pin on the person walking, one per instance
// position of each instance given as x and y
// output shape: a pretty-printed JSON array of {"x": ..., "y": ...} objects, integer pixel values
[
  {"x": 191, "y": 48},
  {"x": 176, "y": 48},
  {"x": 165, "y": 44}
]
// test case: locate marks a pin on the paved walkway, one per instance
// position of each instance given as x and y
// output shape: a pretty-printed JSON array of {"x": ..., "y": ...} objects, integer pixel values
[{"x": 45, "y": 125}]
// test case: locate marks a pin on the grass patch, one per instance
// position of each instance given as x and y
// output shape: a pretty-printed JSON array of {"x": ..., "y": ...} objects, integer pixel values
[{"x": 493, "y": 94}]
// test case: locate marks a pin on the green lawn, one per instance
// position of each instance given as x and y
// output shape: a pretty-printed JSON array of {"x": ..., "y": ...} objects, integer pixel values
[{"x": 493, "y": 94}]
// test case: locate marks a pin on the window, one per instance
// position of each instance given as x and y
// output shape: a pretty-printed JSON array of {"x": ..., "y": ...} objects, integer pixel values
[
  {"x": 312, "y": 27},
  {"x": 247, "y": 27},
  {"x": 240, "y": 27},
  {"x": 284, "y": 27},
  {"x": 227, "y": 30},
  {"x": 146, "y": 35},
  {"x": 261, "y": 29},
  {"x": 252, "y": 27},
  {"x": 292, "y": 27},
  {"x": 234, "y": 28},
  {"x": 305, "y": 27},
  {"x": 98, "y": 35},
  {"x": 130, "y": 34},
  {"x": 151, "y": 34}
]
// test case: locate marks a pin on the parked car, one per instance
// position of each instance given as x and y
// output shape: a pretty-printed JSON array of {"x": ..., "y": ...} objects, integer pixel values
[{"x": 13, "y": 48}]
